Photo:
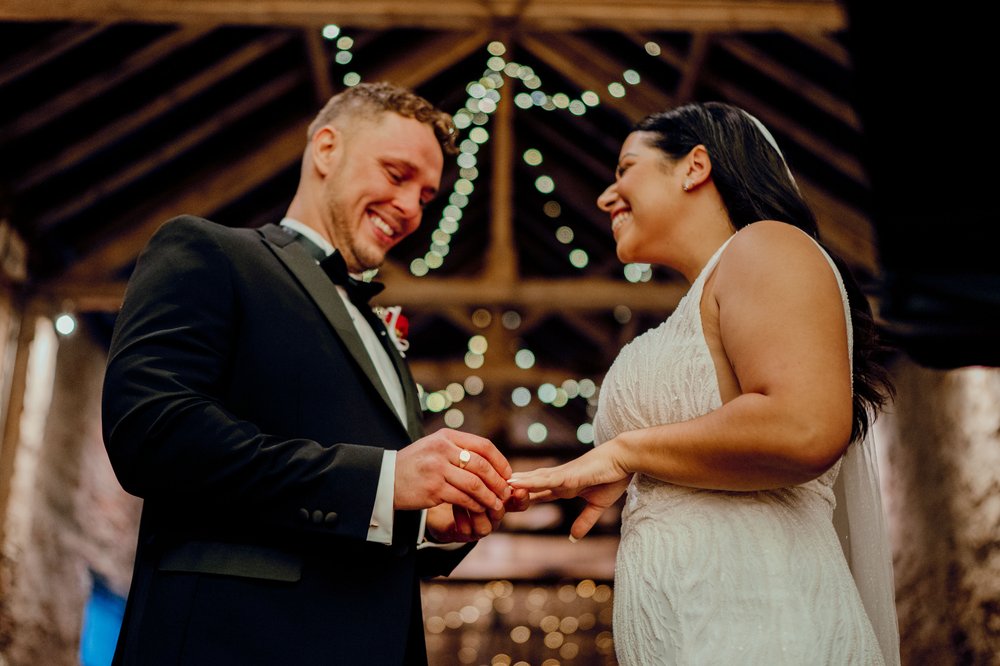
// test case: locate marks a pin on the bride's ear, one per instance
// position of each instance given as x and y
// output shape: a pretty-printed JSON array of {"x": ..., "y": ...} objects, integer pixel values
[{"x": 698, "y": 166}]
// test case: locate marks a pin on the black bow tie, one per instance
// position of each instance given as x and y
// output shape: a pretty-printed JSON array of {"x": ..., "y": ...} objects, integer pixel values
[{"x": 359, "y": 291}]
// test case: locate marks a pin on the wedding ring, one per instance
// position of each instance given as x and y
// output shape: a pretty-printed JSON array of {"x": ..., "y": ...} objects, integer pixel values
[{"x": 463, "y": 458}]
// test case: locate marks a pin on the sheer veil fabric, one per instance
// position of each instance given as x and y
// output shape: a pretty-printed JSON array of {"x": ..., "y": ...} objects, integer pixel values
[
  {"x": 859, "y": 515},
  {"x": 859, "y": 520},
  {"x": 860, "y": 523}
]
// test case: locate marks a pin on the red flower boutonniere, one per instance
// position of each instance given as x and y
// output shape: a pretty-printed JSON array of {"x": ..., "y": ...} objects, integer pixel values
[{"x": 398, "y": 326}]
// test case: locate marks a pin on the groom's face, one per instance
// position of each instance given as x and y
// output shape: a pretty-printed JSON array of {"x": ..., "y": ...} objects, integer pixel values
[{"x": 382, "y": 172}]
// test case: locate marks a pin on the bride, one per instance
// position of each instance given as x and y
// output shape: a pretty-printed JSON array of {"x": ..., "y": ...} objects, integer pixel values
[{"x": 730, "y": 423}]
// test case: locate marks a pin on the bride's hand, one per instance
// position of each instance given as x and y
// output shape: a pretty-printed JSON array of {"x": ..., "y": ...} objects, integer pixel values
[{"x": 595, "y": 476}]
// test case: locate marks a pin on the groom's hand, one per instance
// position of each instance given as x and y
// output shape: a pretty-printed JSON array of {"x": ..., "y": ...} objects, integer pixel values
[
  {"x": 447, "y": 523},
  {"x": 434, "y": 470}
]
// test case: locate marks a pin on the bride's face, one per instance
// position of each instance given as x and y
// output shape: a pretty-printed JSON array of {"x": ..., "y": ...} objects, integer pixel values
[{"x": 643, "y": 199}]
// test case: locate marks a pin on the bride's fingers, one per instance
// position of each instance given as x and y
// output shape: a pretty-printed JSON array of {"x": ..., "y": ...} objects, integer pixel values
[
  {"x": 538, "y": 479},
  {"x": 542, "y": 496},
  {"x": 585, "y": 521}
]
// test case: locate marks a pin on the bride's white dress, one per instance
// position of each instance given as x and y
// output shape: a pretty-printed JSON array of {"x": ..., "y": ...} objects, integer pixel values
[{"x": 712, "y": 577}]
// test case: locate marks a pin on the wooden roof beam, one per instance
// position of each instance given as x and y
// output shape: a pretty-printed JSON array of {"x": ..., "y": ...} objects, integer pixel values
[
  {"x": 99, "y": 84},
  {"x": 692, "y": 67},
  {"x": 170, "y": 151},
  {"x": 189, "y": 89},
  {"x": 429, "y": 294},
  {"x": 209, "y": 191},
  {"x": 54, "y": 46},
  {"x": 319, "y": 64},
  {"x": 846, "y": 163},
  {"x": 787, "y": 77},
  {"x": 712, "y": 15}
]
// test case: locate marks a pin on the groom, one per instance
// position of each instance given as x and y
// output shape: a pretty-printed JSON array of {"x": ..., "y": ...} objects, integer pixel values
[{"x": 256, "y": 404}]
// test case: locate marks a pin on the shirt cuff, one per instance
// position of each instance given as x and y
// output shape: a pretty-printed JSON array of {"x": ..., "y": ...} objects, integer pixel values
[
  {"x": 422, "y": 541},
  {"x": 380, "y": 525}
]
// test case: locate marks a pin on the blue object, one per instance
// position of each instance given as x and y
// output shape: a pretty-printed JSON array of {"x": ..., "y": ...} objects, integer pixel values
[{"x": 102, "y": 620}]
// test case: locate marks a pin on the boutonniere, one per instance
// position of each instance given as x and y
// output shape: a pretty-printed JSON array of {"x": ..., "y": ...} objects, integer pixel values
[{"x": 398, "y": 326}]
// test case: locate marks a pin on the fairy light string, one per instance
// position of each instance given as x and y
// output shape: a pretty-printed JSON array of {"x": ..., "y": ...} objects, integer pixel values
[{"x": 473, "y": 118}]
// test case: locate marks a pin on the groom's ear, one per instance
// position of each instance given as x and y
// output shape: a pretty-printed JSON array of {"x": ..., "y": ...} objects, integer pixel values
[{"x": 324, "y": 148}]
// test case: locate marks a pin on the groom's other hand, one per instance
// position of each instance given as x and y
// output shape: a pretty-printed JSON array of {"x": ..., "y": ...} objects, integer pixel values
[{"x": 448, "y": 523}]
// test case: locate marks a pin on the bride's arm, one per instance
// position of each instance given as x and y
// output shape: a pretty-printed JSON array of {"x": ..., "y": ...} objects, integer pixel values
[{"x": 782, "y": 326}]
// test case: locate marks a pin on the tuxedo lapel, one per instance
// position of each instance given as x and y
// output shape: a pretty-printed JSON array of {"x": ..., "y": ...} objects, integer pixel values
[
  {"x": 324, "y": 294},
  {"x": 413, "y": 414}
]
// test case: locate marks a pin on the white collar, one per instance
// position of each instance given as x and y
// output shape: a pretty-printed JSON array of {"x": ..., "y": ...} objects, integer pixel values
[{"x": 309, "y": 233}]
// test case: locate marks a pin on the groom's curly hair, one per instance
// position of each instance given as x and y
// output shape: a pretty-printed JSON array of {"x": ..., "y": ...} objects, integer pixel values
[{"x": 367, "y": 100}]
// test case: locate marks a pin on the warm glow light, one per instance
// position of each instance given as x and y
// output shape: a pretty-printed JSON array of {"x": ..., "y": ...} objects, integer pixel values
[
  {"x": 454, "y": 418},
  {"x": 623, "y": 314},
  {"x": 544, "y": 184},
  {"x": 65, "y": 324},
  {"x": 419, "y": 267},
  {"x": 455, "y": 392},
  {"x": 533, "y": 156},
  {"x": 436, "y": 402},
  {"x": 537, "y": 433},
  {"x": 510, "y": 320},
  {"x": 478, "y": 344},
  {"x": 479, "y": 135},
  {"x": 473, "y": 385},
  {"x": 520, "y": 634},
  {"x": 561, "y": 399}
]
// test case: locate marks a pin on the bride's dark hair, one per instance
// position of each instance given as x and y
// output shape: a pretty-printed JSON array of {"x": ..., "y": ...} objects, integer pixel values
[{"x": 755, "y": 184}]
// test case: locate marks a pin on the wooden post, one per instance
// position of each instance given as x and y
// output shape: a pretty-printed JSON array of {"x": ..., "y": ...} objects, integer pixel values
[{"x": 12, "y": 409}]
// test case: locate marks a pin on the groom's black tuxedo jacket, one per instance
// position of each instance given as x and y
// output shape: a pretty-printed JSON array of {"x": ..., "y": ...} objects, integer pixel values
[{"x": 240, "y": 403}]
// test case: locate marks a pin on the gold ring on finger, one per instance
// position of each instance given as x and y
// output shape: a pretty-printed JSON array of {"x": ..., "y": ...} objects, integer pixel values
[{"x": 463, "y": 458}]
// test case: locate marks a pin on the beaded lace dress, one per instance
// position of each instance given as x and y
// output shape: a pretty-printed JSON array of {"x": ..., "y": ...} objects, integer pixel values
[{"x": 719, "y": 577}]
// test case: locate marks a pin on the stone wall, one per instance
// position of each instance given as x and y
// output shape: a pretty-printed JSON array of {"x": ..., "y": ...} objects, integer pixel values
[
  {"x": 939, "y": 445},
  {"x": 941, "y": 480},
  {"x": 68, "y": 517}
]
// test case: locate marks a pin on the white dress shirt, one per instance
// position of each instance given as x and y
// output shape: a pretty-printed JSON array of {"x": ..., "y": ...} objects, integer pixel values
[{"x": 380, "y": 525}]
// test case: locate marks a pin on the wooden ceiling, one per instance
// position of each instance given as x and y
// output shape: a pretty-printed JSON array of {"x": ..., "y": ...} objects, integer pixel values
[{"x": 117, "y": 116}]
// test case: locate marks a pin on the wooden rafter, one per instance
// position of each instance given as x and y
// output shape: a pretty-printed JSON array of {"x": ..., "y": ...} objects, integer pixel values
[
  {"x": 59, "y": 43},
  {"x": 33, "y": 119},
  {"x": 156, "y": 108},
  {"x": 215, "y": 188},
  {"x": 718, "y": 15},
  {"x": 180, "y": 144},
  {"x": 835, "y": 106}
]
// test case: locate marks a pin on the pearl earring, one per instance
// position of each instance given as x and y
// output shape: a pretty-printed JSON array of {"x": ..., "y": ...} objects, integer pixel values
[{"x": 687, "y": 185}]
